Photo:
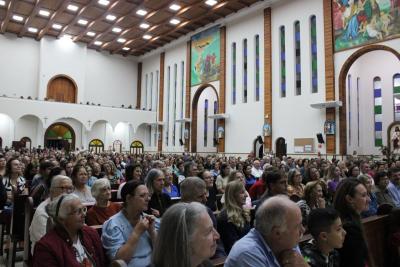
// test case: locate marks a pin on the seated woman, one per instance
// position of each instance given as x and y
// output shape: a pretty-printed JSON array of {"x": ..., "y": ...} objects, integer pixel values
[
  {"x": 313, "y": 198},
  {"x": 295, "y": 187},
  {"x": 187, "y": 237},
  {"x": 250, "y": 179},
  {"x": 12, "y": 180},
  {"x": 82, "y": 190},
  {"x": 366, "y": 180},
  {"x": 70, "y": 242},
  {"x": 104, "y": 208},
  {"x": 238, "y": 176},
  {"x": 333, "y": 177},
  {"x": 159, "y": 201},
  {"x": 130, "y": 234},
  {"x": 110, "y": 172},
  {"x": 211, "y": 188},
  {"x": 234, "y": 220},
  {"x": 132, "y": 172},
  {"x": 222, "y": 179},
  {"x": 381, "y": 180},
  {"x": 351, "y": 199},
  {"x": 169, "y": 188}
]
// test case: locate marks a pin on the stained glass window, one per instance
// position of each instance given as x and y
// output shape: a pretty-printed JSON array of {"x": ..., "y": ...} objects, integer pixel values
[
  {"x": 145, "y": 90},
  {"x": 233, "y": 73},
  {"x": 314, "y": 64},
  {"x": 396, "y": 96},
  {"x": 205, "y": 121},
  {"x": 245, "y": 71},
  {"x": 349, "y": 94},
  {"x": 151, "y": 91},
  {"x": 174, "y": 99},
  {"x": 167, "y": 99},
  {"x": 378, "y": 110},
  {"x": 182, "y": 97},
  {"x": 215, "y": 124},
  {"x": 282, "y": 61},
  {"x": 257, "y": 65},
  {"x": 298, "y": 56}
]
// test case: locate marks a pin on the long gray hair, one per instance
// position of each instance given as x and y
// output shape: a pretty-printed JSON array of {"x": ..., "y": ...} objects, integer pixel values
[{"x": 173, "y": 246}]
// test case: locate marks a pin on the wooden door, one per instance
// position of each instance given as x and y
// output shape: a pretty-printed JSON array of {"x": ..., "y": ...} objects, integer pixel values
[{"x": 62, "y": 89}]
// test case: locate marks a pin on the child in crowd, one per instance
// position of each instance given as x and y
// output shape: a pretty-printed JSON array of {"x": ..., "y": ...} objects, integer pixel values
[{"x": 328, "y": 234}]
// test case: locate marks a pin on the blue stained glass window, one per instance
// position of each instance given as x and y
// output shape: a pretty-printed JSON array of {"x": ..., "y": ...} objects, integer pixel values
[
  {"x": 257, "y": 72},
  {"x": 233, "y": 73},
  {"x": 396, "y": 96},
  {"x": 314, "y": 58},
  {"x": 205, "y": 121},
  {"x": 377, "y": 85},
  {"x": 282, "y": 61},
  {"x": 245, "y": 71},
  {"x": 298, "y": 57}
]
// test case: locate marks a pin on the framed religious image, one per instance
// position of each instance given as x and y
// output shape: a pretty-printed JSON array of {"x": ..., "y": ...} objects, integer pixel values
[
  {"x": 330, "y": 127},
  {"x": 394, "y": 138}
]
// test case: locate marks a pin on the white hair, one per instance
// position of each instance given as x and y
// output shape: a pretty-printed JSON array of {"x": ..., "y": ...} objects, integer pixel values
[
  {"x": 98, "y": 185},
  {"x": 60, "y": 206},
  {"x": 56, "y": 181}
]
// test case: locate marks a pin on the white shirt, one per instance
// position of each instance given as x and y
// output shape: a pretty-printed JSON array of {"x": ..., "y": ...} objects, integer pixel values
[
  {"x": 39, "y": 223},
  {"x": 256, "y": 172}
]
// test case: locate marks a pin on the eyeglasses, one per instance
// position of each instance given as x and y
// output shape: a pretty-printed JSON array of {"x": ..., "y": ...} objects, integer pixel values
[
  {"x": 66, "y": 188},
  {"x": 79, "y": 211}
]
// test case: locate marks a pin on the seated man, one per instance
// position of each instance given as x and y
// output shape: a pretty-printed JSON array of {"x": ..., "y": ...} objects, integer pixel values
[
  {"x": 327, "y": 231},
  {"x": 394, "y": 186},
  {"x": 273, "y": 240},
  {"x": 276, "y": 182}
]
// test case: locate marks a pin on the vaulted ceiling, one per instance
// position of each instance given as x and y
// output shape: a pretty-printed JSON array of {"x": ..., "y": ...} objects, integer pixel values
[{"x": 128, "y": 27}]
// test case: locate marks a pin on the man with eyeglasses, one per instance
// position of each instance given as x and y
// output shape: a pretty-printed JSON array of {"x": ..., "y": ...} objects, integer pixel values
[{"x": 59, "y": 185}]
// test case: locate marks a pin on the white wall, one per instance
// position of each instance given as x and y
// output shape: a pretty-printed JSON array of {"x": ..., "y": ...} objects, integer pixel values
[
  {"x": 6, "y": 129},
  {"x": 207, "y": 94},
  {"x": 29, "y": 126},
  {"x": 150, "y": 67},
  {"x": 19, "y": 67},
  {"x": 292, "y": 115},
  {"x": 381, "y": 64}
]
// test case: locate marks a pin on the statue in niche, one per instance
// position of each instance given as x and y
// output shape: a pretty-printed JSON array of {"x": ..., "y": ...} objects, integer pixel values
[{"x": 396, "y": 140}]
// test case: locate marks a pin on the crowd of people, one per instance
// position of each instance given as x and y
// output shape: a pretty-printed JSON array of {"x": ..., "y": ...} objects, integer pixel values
[{"x": 252, "y": 212}]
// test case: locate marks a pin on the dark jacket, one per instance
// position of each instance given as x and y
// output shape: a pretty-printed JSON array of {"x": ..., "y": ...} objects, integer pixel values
[
  {"x": 354, "y": 252},
  {"x": 315, "y": 258},
  {"x": 160, "y": 202},
  {"x": 55, "y": 249}
]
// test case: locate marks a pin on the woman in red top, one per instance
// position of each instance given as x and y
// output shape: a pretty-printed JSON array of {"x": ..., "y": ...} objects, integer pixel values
[
  {"x": 70, "y": 243},
  {"x": 104, "y": 208}
]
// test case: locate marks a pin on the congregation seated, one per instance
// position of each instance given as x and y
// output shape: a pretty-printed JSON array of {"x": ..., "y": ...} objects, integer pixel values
[
  {"x": 169, "y": 188},
  {"x": 79, "y": 179},
  {"x": 187, "y": 237},
  {"x": 222, "y": 178},
  {"x": 132, "y": 172},
  {"x": 208, "y": 178},
  {"x": 60, "y": 184},
  {"x": 276, "y": 183},
  {"x": 366, "y": 180},
  {"x": 381, "y": 180},
  {"x": 70, "y": 242},
  {"x": 295, "y": 186},
  {"x": 313, "y": 198},
  {"x": 159, "y": 201},
  {"x": 103, "y": 209},
  {"x": 130, "y": 234},
  {"x": 394, "y": 185},
  {"x": 110, "y": 172},
  {"x": 12, "y": 180},
  {"x": 41, "y": 191}
]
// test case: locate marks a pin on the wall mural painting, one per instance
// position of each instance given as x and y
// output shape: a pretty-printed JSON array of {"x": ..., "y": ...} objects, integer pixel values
[
  {"x": 205, "y": 57},
  {"x": 360, "y": 22}
]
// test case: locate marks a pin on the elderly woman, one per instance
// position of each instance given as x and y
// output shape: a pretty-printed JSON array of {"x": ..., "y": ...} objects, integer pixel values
[
  {"x": 70, "y": 243},
  {"x": 169, "y": 188},
  {"x": 159, "y": 201},
  {"x": 104, "y": 208},
  {"x": 130, "y": 234},
  {"x": 82, "y": 190},
  {"x": 187, "y": 237}
]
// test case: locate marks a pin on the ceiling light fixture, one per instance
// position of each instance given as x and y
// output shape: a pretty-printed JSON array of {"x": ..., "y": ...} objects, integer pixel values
[
  {"x": 147, "y": 36},
  {"x": 126, "y": 49},
  {"x": 175, "y": 21},
  {"x": 144, "y": 26},
  {"x": 211, "y": 2},
  {"x": 73, "y": 8},
  {"x": 175, "y": 7},
  {"x": 91, "y": 34},
  {"x": 116, "y": 30},
  {"x": 121, "y": 40},
  {"x": 44, "y": 13},
  {"x": 56, "y": 26},
  {"x": 98, "y": 43},
  {"x": 82, "y": 22},
  {"x": 103, "y": 2},
  {"x": 32, "y": 30},
  {"x": 18, "y": 18},
  {"x": 141, "y": 12},
  {"x": 2, "y": 3},
  {"x": 110, "y": 17}
]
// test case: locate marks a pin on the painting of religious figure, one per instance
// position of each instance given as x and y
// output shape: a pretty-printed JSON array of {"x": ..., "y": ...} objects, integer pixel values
[
  {"x": 394, "y": 138},
  {"x": 360, "y": 22},
  {"x": 205, "y": 59}
]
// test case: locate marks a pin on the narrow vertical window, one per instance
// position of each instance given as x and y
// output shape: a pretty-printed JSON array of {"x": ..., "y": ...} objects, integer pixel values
[
  {"x": 257, "y": 67},
  {"x": 215, "y": 125},
  {"x": 314, "y": 64},
  {"x": 378, "y": 110},
  {"x": 156, "y": 131},
  {"x": 298, "y": 56},
  {"x": 182, "y": 96},
  {"x": 358, "y": 111},
  {"x": 151, "y": 91},
  {"x": 174, "y": 99},
  {"x": 149, "y": 135},
  {"x": 349, "y": 94},
  {"x": 167, "y": 98},
  {"x": 233, "y": 73},
  {"x": 205, "y": 121},
  {"x": 245, "y": 71},
  {"x": 282, "y": 61},
  {"x": 145, "y": 91},
  {"x": 396, "y": 96}
]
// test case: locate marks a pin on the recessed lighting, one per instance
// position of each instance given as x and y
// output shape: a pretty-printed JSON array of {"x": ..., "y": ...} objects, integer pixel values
[
  {"x": 126, "y": 48},
  {"x": 73, "y": 8},
  {"x": 32, "y": 30},
  {"x": 116, "y": 30},
  {"x": 103, "y": 2},
  {"x": 82, "y": 22},
  {"x": 110, "y": 17},
  {"x": 18, "y": 18},
  {"x": 141, "y": 12},
  {"x": 56, "y": 26},
  {"x": 44, "y": 13},
  {"x": 67, "y": 37},
  {"x": 175, "y": 21},
  {"x": 174, "y": 7},
  {"x": 211, "y": 2},
  {"x": 91, "y": 34},
  {"x": 2, "y": 3},
  {"x": 98, "y": 43},
  {"x": 147, "y": 36},
  {"x": 144, "y": 25},
  {"x": 121, "y": 40}
]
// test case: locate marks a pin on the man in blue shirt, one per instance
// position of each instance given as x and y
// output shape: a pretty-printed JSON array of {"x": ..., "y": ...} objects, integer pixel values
[
  {"x": 394, "y": 186},
  {"x": 272, "y": 242}
]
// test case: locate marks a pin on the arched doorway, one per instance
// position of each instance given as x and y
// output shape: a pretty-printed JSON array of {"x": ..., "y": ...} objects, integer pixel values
[
  {"x": 280, "y": 147},
  {"x": 212, "y": 109},
  {"x": 342, "y": 89},
  {"x": 258, "y": 147},
  {"x": 62, "y": 88},
  {"x": 26, "y": 142},
  {"x": 96, "y": 146},
  {"x": 136, "y": 148},
  {"x": 60, "y": 135}
]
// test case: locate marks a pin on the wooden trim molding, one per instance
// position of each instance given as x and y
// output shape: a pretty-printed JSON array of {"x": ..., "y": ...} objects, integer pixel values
[
  {"x": 161, "y": 101},
  {"x": 139, "y": 86},
  {"x": 342, "y": 88},
  {"x": 187, "y": 92},
  {"x": 222, "y": 88},
  {"x": 329, "y": 73},
  {"x": 267, "y": 75}
]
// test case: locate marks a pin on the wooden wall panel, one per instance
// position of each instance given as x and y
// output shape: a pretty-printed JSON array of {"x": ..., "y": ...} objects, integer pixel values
[
  {"x": 161, "y": 101},
  {"x": 222, "y": 88},
  {"x": 268, "y": 75},
  {"x": 62, "y": 89},
  {"x": 187, "y": 92}
]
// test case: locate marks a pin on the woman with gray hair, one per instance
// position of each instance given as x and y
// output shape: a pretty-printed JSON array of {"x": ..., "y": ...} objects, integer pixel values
[
  {"x": 159, "y": 201},
  {"x": 70, "y": 243},
  {"x": 186, "y": 238},
  {"x": 103, "y": 209}
]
